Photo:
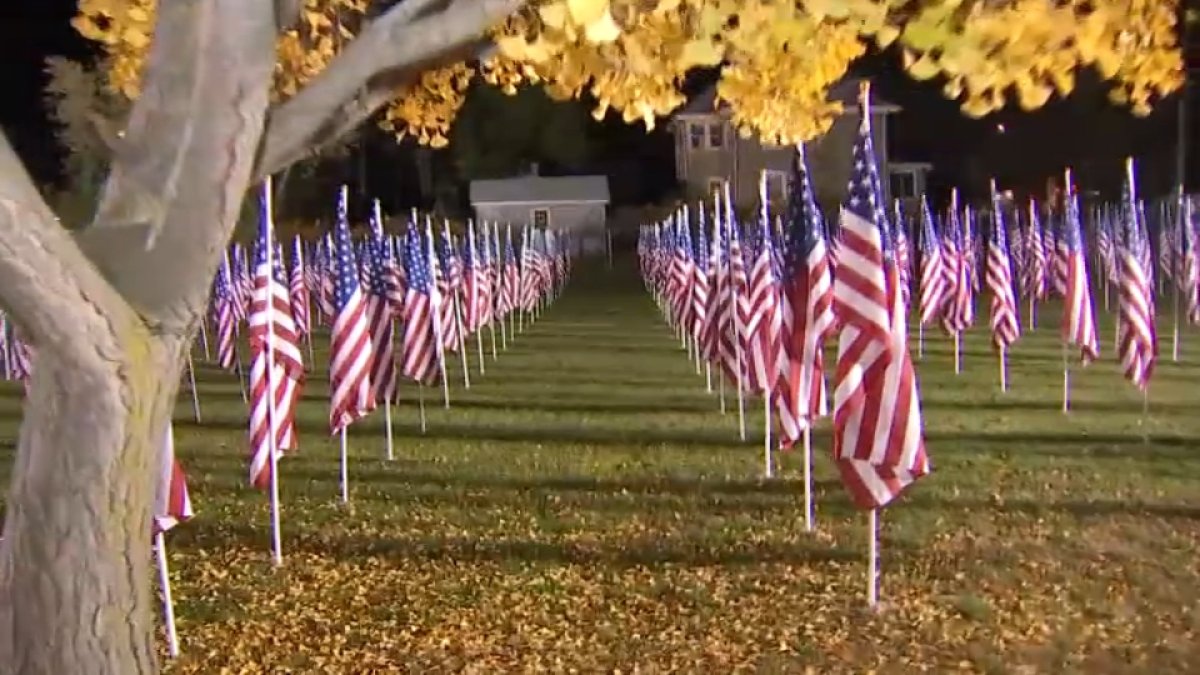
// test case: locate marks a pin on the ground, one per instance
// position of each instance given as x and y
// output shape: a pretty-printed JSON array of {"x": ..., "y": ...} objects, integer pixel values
[{"x": 585, "y": 506}]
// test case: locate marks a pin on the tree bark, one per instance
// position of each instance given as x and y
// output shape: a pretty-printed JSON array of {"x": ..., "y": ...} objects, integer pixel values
[{"x": 78, "y": 524}]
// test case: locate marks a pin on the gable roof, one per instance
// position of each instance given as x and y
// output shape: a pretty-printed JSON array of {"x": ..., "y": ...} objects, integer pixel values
[
  {"x": 540, "y": 189},
  {"x": 845, "y": 91}
]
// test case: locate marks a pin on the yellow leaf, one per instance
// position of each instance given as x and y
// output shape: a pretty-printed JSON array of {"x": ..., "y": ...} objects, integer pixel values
[
  {"x": 603, "y": 29},
  {"x": 554, "y": 15},
  {"x": 887, "y": 35},
  {"x": 700, "y": 53},
  {"x": 584, "y": 12},
  {"x": 923, "y": 68}
]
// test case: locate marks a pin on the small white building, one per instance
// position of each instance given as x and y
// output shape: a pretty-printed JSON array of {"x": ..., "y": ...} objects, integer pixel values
[{"x": 575, "y": 205}]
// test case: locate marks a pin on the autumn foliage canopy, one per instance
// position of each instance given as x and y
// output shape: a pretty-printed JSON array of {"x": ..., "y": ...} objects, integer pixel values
[{"x": 778, "y": 58}]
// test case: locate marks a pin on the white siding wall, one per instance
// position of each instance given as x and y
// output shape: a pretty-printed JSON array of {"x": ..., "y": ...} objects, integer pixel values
[{"x": 584, "y": 222}]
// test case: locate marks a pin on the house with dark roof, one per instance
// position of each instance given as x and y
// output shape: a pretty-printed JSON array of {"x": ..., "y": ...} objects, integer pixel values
[
  {"x": 709, "y": 152},
  {"x": 574, "y": 204}
]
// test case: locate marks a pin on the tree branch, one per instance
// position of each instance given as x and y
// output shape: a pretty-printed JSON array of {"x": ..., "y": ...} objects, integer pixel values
[
  {"x": 403, "y": 37},
  {"x": 181, "y": 170},
  {"x": 51, "y": 289}
]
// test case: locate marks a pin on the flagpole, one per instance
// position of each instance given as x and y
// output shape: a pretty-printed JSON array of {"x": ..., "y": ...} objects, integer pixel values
[
  {"x": 192, "y": 381},
  {"x": 272, "y": 417},
  {"x": 957, "y": 352},
  {"x": 387, "y": 421},
  {"x": 920, "y": 340},
  {"x": 808, "y": 497},
  {"x": 768, "y": 465},
  {"x": 164, "y": 582},
  {"x": 204, "y": 337},
  {"x": 873, "y": 558},
  {"x": 1175, "y": 327},
  {"x": 421, "y": 405},
  {"x": 1003, "y": 368}
]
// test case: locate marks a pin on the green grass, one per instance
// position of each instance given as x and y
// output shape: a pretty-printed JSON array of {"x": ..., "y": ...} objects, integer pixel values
[{"x": 586, "y": 506}]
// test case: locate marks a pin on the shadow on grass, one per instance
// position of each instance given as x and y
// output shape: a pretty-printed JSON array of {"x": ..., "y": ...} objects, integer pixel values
[
  {"x": 631, "y": 553},
  {"x": 1078, "y": 508},
  {"x": 1122, "y": 445}
]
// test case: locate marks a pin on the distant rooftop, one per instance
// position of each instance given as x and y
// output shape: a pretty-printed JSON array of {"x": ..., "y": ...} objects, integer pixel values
[
  {"x": 845, "y": 91},
  {"x": 540, "y": 189}
]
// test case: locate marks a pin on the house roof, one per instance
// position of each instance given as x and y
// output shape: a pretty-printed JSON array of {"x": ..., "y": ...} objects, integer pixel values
[
  {"x": 540, "y": 189},
  {"x": 845, "y": 91}
]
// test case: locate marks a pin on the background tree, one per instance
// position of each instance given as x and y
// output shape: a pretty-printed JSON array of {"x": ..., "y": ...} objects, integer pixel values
[
  {"x": 226, "y": 92},
  {"x": 498, "y": 135}
]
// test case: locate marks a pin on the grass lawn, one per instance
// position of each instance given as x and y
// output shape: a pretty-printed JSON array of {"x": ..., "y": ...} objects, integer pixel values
[{"x": 584, "y": 506}]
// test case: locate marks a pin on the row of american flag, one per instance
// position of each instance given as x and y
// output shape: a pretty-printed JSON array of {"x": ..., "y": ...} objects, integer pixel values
[
  {"x": 394, "y": 307},
  {"x": 756, "y": 301}
]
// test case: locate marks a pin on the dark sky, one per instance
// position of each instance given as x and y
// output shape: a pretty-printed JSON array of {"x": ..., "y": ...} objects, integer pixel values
[{"x": 1083, "y": 131}]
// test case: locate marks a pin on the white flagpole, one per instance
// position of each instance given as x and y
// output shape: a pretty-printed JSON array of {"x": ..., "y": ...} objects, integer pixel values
[
  {"x": 920, "y": 340},
  {"x": 768, "y": 464},
  {"x": 387, "y": 421},
  {"x": 192, "y": 382},
  {"x": 204, "y": 337},
  {"x": 421, "y": 406},
  {"x": 721, "y": 390},
  {"x": 873, "y": 559},
  {"x": 272, "y": 417},
  {"x": 1003, "y": 369},
  {"x": 808, "y": 500},
  {"x": 708, "y": 377},
  {"x": 957, "y": 353},
  {"x": 345, "y": 470},
  {"x": 164, "y": 582}
]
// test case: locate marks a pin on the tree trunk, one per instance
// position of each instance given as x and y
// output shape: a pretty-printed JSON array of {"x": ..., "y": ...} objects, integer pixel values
[{"x": 77, "y": 532}]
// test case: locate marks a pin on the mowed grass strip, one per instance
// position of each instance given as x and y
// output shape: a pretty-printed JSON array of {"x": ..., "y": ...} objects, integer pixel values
[{"x": 585, "y": 505}]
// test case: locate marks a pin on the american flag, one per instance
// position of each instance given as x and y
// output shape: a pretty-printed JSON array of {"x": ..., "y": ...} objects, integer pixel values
[
  {"x": 733, "y": 319},
  {"x": 475, "y": 289},
  {"x": 1138, "y": 342},
  {"x": 877, "y": 436},
  {"x": 1078, "y": 324},
  {"x": 276, "y": 367},
  {"x": 299, "y": 289},
  {"x": 1191, "y": 260},
  {"x": 903, "y": 254},
  {"x": 419, "y": 344},
  {"x": 381, "y": 316},
  {"x": 1035, "y": 271},
  {"x": 959, "y": 313},
  {"x": 510, "y": 278},
  {"x": 224, "y": 307},
  {"x": 350, "y": 340},
  {"x": 700, "y": 276},
  {"x": 807, "y": 310},
  {"x": 448, "y": 273},
  {"x": 1005, "y": 326},
  {"x": 761, "y": 326},
  {"x": 172, "y": 505},
  {"x": 935, "y": 281}
]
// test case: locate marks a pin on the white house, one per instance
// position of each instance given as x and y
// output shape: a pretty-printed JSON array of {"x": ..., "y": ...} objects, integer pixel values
[{"x": 577, "y": 205}]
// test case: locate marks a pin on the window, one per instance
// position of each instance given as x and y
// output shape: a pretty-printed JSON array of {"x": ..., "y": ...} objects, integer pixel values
[
  {"x": 903, "y": 184},
  {"x": 541, "y": 218},
  {"x": 777, "y": 186},
  {"x": 715, "y": 185},
  {"x": 716, "y": 135},
  {"x": 696, "y": 131}
]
